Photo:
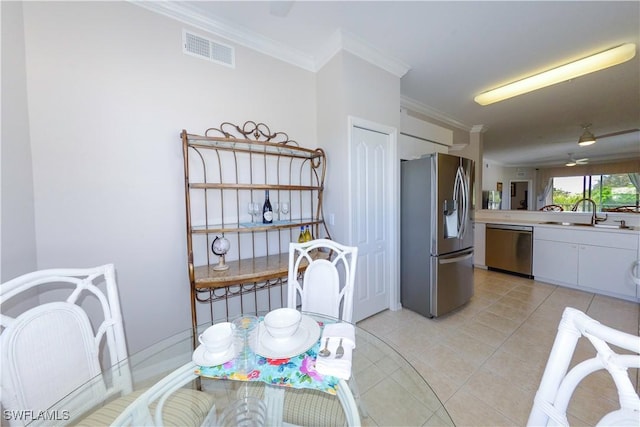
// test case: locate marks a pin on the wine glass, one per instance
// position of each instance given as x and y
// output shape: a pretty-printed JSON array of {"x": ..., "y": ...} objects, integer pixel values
[
  {"x": 250, "y": 210},
  {"x": 257, "y": 210},
  {"x": 253, "y": 209},
  {"x": 284, "y": 208},
  {"x": 276, "y": 209}
]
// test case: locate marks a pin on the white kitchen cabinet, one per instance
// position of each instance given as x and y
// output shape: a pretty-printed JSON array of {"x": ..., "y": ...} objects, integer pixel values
[
  {"x": 479, "y": 236},
  {"x": 606, "y": 269},
  {"x": 555, "y": 262},
  {"x": 410, "y": 147},
  {"x": 424, "y": 130},
  {"x": 593, "y": 260}
]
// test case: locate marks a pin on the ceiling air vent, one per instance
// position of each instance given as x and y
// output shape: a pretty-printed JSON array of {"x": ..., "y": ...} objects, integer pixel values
[{"x": 204, "y": 48}]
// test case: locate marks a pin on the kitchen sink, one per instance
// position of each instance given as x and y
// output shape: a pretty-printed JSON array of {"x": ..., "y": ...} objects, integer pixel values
[
  {"x": 608, "y": 226},
  {"x": 582, "y": 224},
  {"x": 567, "y": 223}
]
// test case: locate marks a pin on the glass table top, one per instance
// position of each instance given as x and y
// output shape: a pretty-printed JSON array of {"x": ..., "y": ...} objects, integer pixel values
[{"x": 389, "y": 390}]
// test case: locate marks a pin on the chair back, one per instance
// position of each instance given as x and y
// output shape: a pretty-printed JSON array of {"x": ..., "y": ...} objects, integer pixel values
[
  {"x": 319, "y": 287},
  {"x": 552, "y": 208},
  {"x": 52, "y": 347},
  {"x": 558, "y": 382}
]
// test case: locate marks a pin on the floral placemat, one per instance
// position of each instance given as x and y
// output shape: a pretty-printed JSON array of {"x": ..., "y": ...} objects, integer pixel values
[{"x": 297, "y": 372}]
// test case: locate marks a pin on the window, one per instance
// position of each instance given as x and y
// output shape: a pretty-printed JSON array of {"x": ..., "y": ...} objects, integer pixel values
[{"x": 610, "y": 192}]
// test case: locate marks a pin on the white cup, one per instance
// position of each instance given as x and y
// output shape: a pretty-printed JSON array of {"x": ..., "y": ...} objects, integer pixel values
[
  {"x": 282, "y": 323},
  {"x": 217, "y": 338}
]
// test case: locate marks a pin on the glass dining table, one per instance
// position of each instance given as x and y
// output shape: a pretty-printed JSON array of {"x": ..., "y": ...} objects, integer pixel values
[{"x": 387, "y": 389}]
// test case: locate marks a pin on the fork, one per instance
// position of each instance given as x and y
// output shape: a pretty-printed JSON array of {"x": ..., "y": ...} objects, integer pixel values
[{"x": 339, "y": 350}]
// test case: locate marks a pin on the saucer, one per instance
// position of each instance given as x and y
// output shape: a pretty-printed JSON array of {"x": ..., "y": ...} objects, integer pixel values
[
  {"x": 302, "y": 340},
  {"x": 202, "y": 357}
]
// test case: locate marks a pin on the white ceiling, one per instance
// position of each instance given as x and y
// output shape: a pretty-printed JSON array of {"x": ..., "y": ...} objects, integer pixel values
[{"x": 455, "y": 50}]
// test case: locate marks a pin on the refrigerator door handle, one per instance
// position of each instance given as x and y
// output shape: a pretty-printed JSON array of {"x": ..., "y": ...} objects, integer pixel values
[
  {"x": 465, "y": 199},
  {"x": 456, "y": 186},
  {"x": 462, "y": 257},
  {"x": 460, "y": 187}
]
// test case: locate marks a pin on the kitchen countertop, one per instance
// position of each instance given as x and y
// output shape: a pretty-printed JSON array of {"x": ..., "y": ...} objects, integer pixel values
[
  {"x": 573, "y": 223},
  {"x": 588, "y": 227}
]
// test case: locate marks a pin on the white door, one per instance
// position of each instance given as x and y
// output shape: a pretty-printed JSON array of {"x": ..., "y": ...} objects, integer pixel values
[{"x": 371, "y": 219}]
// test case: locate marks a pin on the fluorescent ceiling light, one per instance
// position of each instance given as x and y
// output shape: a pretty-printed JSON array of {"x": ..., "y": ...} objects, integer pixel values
[{"x": 599, "y": 61}]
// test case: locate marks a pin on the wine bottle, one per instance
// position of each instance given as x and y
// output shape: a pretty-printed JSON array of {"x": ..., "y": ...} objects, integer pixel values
[
  {"x": 307, "y": 234},
  {"x": 301, "y": 235},
  {"x": 267, "y": 210}
]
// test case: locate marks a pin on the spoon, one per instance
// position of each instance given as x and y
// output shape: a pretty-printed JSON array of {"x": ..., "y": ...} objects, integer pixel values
[
  {"x": 325, "y": 351},
  {"x": 339, "y": 350}
]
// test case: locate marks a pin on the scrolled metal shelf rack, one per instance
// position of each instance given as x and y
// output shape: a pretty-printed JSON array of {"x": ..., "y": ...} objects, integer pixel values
[{"x": 226, "y": 169}]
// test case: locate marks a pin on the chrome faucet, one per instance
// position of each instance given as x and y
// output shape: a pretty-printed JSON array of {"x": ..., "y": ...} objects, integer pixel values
[{"x": 594, "y": 217}]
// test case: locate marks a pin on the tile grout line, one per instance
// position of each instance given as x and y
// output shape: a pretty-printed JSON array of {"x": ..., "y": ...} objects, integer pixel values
[
  {"x": 505, "y": 304},
  {"x": 495, "y": 351}
]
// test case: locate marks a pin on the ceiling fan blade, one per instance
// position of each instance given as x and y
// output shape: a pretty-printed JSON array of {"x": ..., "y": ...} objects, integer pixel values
[
  {"x": 621, "y": 132},
  {"x": 582, "y": 161}
]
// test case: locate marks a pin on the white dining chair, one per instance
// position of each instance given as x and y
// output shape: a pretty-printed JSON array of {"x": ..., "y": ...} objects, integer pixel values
[
  {"x": 319, "y": 288},
  {"x": 325, "y": 287},
  {"x": 60, "y": 330},
  {"x": 305, "y": 407},
  {"x": 162, "y": 404},
  {"x": 559, "y": 382}
]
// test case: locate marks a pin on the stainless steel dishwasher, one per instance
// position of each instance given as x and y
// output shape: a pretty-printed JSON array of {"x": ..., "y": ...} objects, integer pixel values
[{"x": 509, "y": 248}]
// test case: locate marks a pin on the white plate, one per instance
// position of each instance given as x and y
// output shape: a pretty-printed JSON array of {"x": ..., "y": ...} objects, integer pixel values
[
  {"x": 203, "y": 358},
  {"x": 304, "y": 338}
]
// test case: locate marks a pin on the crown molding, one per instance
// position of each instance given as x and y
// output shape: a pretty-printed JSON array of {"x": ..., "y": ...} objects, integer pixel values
[
  {"x": 330, "y": 48},
  {"x": 479, "y": 129},
  {"x": 419, "y": 107},
  {"x": 341, "y": 40},
  {"x": 252, "y": 40},
  {"x": 364, "y": 50},
  {"x": 458, "y": 147}
]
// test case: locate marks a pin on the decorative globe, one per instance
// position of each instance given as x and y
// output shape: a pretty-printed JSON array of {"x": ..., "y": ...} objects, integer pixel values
[{"x": 220, "y": 246}]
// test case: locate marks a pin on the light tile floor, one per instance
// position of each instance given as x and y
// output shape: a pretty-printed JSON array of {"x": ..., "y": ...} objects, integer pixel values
[{"x": 485, "y": 360}]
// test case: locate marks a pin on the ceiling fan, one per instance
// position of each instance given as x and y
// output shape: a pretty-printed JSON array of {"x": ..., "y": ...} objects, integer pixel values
[
  {"x": 573, "y": 161},
  {"x": 621, "y": 132},
  {"x": 588, "y": 138}
]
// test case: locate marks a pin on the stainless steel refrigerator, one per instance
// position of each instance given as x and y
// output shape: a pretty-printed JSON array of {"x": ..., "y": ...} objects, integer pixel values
[{"x": 436, "y": 249}]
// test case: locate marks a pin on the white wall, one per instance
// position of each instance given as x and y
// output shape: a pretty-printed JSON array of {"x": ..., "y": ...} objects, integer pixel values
[
  {"x": 109, "y": 90},
  {"x": 17, "y": 231},
  {"x": 345, "y": 88},
  {"x": 494, "y": 173},
  {"x": 351, "y": 87},
  {"x": 332, "y": 136}
]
